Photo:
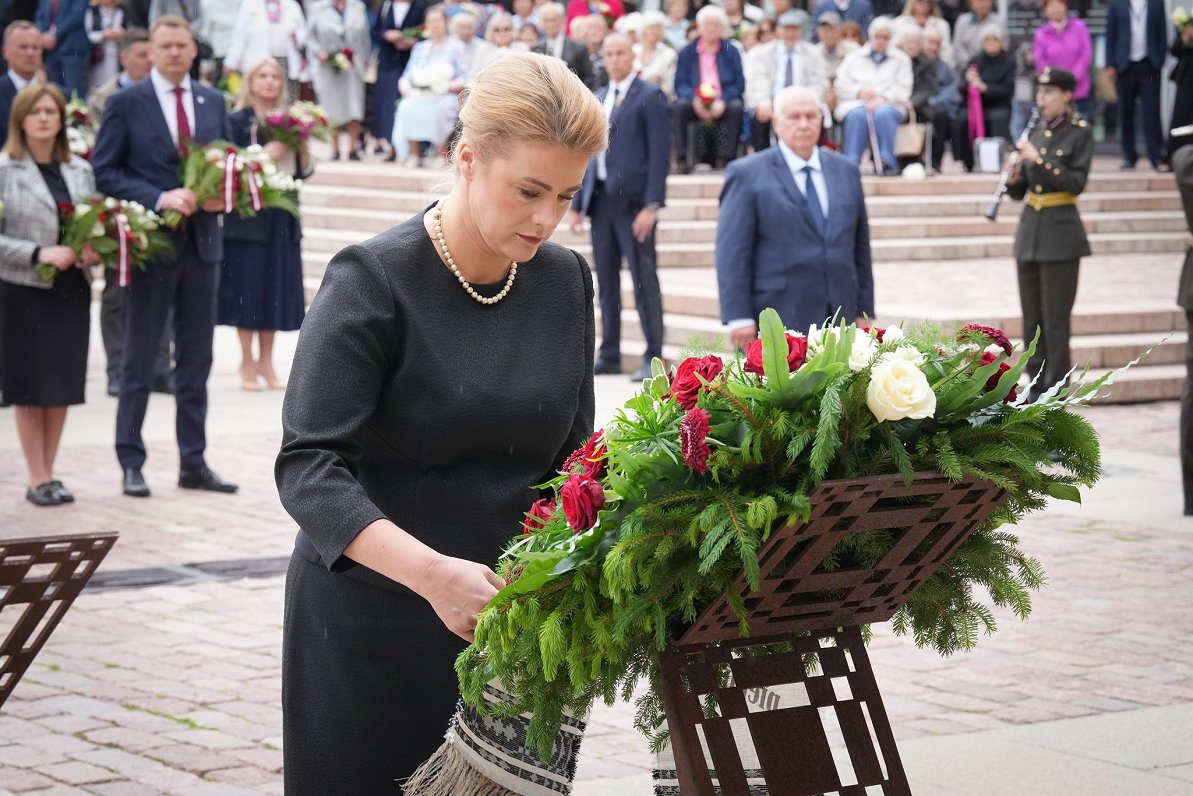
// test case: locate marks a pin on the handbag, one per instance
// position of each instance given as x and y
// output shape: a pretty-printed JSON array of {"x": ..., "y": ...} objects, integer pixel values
[{"x": 910, "y": 138}]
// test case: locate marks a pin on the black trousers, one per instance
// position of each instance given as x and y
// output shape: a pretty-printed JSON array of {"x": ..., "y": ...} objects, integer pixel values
[
  {"x": 1140, "y": 82},
  {"x": 612, "y": 241},
  {"x": 998, "y": 125},
  {"x": 759, "y": 134},
  {"x": 189, "y": 286},
  {"x": 1046, "y": 294},
  {"x": 368, "y": 684},
  {"x": 727, "y": 129},
  {"x": 1187, "y": 420},
  {"x": 111, "y": 328}
]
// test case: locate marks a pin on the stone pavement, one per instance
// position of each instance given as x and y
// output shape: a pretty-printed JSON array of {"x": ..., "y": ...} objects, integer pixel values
[{"x": 174, "y": 688}]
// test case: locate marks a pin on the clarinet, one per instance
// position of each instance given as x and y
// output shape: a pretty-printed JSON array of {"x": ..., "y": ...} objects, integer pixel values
[{"x": 1010, "y": 165}]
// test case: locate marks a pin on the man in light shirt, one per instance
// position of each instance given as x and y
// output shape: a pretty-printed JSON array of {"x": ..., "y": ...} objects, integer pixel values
[
  {"x": 22, "y": 50},
  {"x": 785, "y": 61},
  {"x": 1136, "y": 45},
  {"x": 793, "y": 232}
]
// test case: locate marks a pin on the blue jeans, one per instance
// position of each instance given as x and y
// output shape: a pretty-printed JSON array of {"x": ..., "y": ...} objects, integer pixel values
[{"x": 887, "y": 119}]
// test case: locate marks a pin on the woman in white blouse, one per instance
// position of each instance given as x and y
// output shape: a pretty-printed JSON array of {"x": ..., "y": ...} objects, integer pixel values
[{"x": 654, "y": 58}]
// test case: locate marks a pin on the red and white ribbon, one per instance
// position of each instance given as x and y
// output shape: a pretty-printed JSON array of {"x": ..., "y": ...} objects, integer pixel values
[
  {"x": 230, "y": 181},
  {"x": 254, "y": 189},
  {"x": 123, "y": 264}
]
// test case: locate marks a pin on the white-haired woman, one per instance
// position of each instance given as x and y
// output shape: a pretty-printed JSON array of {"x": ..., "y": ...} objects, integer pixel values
[
  {"x": 925, "y": 15},
  {"x": 654, "y": 59},
  {"x": 724, "y": 80},
  {"x": 986, "y": 97},
  {"x": 499, "y": 34},
  {"x": 428, "y": 76},
  {"x": 872, "y": 85}
]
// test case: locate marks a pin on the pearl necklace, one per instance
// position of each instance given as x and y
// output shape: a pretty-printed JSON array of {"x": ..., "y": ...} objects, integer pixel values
[{"x": 447, "y": 255}]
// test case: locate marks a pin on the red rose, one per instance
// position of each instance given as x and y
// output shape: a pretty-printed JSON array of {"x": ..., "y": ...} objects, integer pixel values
[
  {"x": 989, "y": 333},
  {"x": 693, "y": 433},
  {"x": 686, "y": 385},
  {"x": 591, "y": 456},
  {"x": 878, "y": 333},
  {"x": 536, "y": 518},
  {"x": 797, "y": 351},
  {"x": 347, "y": 54},
  {"x": 582, "y": 498},
  {"x": 992, "y": 382}
]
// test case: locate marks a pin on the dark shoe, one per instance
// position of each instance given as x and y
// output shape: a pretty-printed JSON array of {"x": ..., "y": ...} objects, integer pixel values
[
  {"x": 379, "y": 149},
  {"x": 604, "y": 368},
  {"x": 335, "y": 155},
  {"x": 390, "y": 157},
  {"x": 203, "y": 478},
  {"x": 134, "y": 483},
  {"x": 1127, "y": 165},
  {"x": 62, "y": 492},
  {"x": 641, "y": 374},
  {"x": 354, "y": 155},
  {"x": 43, "y": 495}
]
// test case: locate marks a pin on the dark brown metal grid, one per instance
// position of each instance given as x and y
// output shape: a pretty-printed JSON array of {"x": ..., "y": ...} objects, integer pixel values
[
  {"x": 39, "y": 579},
  {"x": 791, "y": 742},
  {"x": 927, "y": 519}
]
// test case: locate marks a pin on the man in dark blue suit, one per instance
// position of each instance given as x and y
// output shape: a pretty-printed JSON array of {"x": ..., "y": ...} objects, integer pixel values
[
  {"x": 136, "y": 157},
  {"x": 792, "y": 232},
  {"x": 623, "y": 191},
  {"x": 22, "y": 51},
  {"x": 1136, "y": 44},
  {"x": 68, "y": 50}
]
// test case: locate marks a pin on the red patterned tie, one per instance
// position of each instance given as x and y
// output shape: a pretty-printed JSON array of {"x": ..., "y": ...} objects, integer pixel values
[{"x": 184, "y": 124}]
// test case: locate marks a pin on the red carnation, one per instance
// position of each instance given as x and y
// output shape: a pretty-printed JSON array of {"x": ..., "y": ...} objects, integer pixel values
[
  {"x": 992, "y": 335},
  {"x": 582, "y": 499},
  {"x": 686, "y": 385},
  {"x": 536, "y": 518},
  {"x": 693, "y": 435},
  {"x": 347, "y": 54},
  {"x": 797, "y": 352},
  {"x": 992, "y": 382},
  {"x": 591, "y": 456}
]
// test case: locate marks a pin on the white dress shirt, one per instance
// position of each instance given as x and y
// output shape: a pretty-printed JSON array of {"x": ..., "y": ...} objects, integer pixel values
[
  {"x": 616, "y": 93},
  {"x": 796, "y": 164},
  {"x": 169, "y": 102},
  {"x": 1138, "y": 9},
  {"x": 20, "y": 82},
  {"x": 555, "y": 46}
]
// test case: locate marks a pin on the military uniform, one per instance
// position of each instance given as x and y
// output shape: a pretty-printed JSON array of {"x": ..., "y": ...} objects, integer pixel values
[{"x": 1051, "y": 239}]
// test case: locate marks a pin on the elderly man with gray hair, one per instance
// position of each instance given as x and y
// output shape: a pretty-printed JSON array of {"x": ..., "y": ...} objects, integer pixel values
[
  {"x": 709, "y": 84},
  {"x": 787, "y": 60},
  {"x": 873, "y": 84},
  {"x": 556, "y": 43}
]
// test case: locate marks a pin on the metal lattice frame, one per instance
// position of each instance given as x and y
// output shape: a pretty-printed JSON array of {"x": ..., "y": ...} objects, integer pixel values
[{"x": 39, "y": 580}]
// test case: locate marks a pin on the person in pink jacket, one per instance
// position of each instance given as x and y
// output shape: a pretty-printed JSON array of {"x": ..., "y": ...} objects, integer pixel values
[
  {"x": 1063, "y": 41},
  {"x": 610, "y": 9}
]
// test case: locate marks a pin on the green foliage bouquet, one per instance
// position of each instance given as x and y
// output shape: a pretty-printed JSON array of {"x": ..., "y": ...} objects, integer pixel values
[
  {"x": 663, "y": 509},
  {"x": 124, "y": 234},
  {"x": 247, "y": 180}
]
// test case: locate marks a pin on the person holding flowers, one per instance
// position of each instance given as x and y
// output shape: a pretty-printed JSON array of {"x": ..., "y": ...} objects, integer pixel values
[
  {"x": 44, "y": 324},
  {"x": 395, "y": 32},
  {"x": 339, "y": 39},
  {"x": 260, "y": 288},
  {"x": 424, "y": 85},
  {"x": 709, "y": 84},
  {"x": 466, "y": 340}
]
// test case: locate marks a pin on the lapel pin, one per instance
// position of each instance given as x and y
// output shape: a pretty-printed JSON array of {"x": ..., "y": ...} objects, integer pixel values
[{"x": 200, "y": 100}]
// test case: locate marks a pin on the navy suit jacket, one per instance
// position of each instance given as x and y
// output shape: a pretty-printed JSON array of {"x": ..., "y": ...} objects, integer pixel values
[
  {"x": 639, "y": 153},
  {"x": 770, "y": 253},
  {"x": 72, "y": 35},
  {"x": 135, "y": 157},
  {"x": 7, "y": 92},
  {"x": 390, "y": 58},
  {"x": 687, "y": 72},
  {"x": 1118, "y": 33}
]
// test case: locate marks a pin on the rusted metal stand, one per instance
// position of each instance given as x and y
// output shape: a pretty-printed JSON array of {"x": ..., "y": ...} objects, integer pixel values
[
  {"x": 39, "y": 579},
  {"x": 805, "y": 642}
]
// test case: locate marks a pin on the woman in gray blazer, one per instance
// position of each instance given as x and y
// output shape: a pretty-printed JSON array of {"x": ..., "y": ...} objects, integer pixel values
[{"x": 44, "y": 326}]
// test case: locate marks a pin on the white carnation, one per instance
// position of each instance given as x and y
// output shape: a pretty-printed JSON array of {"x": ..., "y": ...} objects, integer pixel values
[
  {"x": 905, "y": 353},
  {"x": 893, "y": 334},
  {"x": 898, "y": 389}
]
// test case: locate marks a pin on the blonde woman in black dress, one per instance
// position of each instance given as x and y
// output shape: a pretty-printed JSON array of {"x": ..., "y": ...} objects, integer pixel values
[{"x": 444, "y": 368}]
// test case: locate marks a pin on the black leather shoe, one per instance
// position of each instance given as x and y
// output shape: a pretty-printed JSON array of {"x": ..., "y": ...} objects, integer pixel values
[
  {"x": 604, "y": 368},
  {"x": 203, "y": 478},
  {"x": 1127, "y": 165},
  {"x": 134, "y": 483},
  {"x": 62, "y": 492},
  {"x": 163, "y": 386},
  {"x": 641, "y": 374},
  {"x": 43, "y": 495}
]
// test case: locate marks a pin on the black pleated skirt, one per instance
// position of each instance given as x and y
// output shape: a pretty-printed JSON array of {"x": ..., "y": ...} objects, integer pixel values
[
  {"x": 43, "y": 341},
  {"x": 368, "y": 684}
]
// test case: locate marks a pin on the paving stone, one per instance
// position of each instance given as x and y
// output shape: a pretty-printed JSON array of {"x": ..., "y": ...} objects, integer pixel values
[
  {"x": 19, "y": 780},
  {"x": 76, "y": 773}
]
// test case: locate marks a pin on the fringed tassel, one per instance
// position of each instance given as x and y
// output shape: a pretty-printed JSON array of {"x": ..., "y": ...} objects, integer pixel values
[{"x": 448, "y": 773}]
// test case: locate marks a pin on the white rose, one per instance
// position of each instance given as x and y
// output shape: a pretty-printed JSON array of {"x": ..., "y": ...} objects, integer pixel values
[
  {"x": 122, "y": 218},
  {"x": 269, "y": 168},
  {"x": 111, "y": 204},
  {"x": 254, "y": 149},
  {"x": 864, "y": 349},
  {"x": 215, "y": 155},
  {"x": 893, "y": 334},
  {"x": 82, "y": 209},
  {"x": 905, "y": 353},
  {"x": 898, "y": 390},
  {"x": 97, "y": 231}
]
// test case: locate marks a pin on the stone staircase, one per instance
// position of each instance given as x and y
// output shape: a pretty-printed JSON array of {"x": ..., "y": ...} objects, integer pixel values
[{"x": 931, "y": 246}]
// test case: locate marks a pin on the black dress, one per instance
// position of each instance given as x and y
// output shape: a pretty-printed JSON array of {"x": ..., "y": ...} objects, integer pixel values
[
  {"x": 410, "y": 400},
  {"x": 261, "y": 274},
  {"x": 44, "y": 333},
  {"x": 1182, "y": 104}
]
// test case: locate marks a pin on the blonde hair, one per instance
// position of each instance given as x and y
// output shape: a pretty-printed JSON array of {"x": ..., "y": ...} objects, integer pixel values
[
  {"x": 244, "y": 99},
  {"x": 530, "y": 98},
  {"x": 22, "y": 104}
]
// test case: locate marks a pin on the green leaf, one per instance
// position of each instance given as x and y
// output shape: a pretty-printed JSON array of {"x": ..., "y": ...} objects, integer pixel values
[{"x": 1064, "y": 492}]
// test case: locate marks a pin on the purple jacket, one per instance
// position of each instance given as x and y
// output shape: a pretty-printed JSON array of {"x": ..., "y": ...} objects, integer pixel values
[{"x": 1069, "y": 50}]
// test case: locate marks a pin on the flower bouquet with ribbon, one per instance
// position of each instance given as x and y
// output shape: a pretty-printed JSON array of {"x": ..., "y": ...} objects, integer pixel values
[
  {"x": 80, "y": 128},
  {"x": 340, "y": 60},
  {"x": 668, "y": 505},
  {"x": 247, "y": 180},
  {"x": 433, "y": 79},
  {"x": 124, "y": 234},
  {"x": 298, "y": 124}
]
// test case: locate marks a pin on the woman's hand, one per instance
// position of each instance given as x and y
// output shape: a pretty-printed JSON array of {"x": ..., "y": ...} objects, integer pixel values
[
  {"x": 458, "y": 590},
  {"x": 393, "y": 36},
  {"x": 323, "y": 57},
  {"x": 90, "y": 256},
  {"x": 1187, "y": 35},
  {"x": 61, "y": 257},
  {"x": 1028, "y": 152},
  {"x": 275, "y": 149}
]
